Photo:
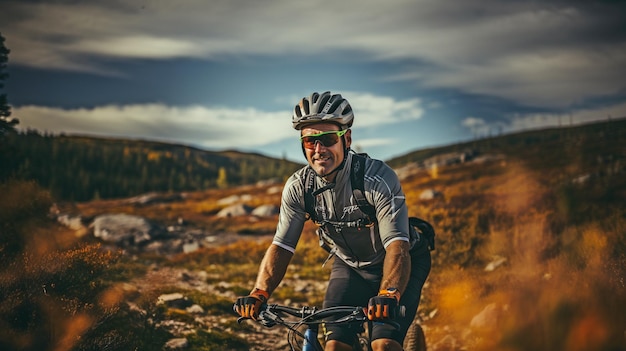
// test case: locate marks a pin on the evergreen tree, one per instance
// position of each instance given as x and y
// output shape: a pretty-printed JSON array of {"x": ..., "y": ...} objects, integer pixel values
[{"x": 6, "y": 123}]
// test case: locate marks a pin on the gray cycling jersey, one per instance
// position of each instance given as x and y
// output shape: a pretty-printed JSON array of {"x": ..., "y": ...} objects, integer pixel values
[{"x": 358, "y": 247}]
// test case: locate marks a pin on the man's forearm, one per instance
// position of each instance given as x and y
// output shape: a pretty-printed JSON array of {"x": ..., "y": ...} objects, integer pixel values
[
  {"x": 273, "y": 268},
  {"x": 397, "y": 266}
]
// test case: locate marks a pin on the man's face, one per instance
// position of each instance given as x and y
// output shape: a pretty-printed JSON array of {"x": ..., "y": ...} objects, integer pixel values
[{"x": 323, "y": 158}]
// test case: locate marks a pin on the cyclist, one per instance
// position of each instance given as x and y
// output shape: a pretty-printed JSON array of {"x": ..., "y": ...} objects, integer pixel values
[{"x": 378, "y": 265}]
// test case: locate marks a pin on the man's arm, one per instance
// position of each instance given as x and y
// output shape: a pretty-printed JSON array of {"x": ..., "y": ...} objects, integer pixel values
[
  {"x": 397, "y": 266},
  {"x": 273, "y": 268}
]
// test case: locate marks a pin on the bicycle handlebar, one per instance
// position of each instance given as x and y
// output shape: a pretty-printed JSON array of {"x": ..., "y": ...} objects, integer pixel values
[{"x": 270, "y": 314}]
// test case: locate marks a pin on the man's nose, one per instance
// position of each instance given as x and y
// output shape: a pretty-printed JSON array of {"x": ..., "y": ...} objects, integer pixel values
[{"x": 318, "y": 145}]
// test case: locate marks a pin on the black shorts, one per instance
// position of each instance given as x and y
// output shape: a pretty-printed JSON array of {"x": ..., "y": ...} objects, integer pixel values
[{"x": 354, "y": 287}]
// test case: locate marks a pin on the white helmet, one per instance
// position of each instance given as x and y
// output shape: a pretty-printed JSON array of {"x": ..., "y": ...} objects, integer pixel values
[{"x": 324, "y": 107}]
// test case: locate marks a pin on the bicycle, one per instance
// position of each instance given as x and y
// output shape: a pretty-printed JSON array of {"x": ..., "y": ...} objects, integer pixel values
[{"x": 311, "y": 318}]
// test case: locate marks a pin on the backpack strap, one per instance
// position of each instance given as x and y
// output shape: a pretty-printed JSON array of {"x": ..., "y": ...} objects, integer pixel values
[
  {"x": 309, "y": 198},
  {"x": 357, "y": 181}
]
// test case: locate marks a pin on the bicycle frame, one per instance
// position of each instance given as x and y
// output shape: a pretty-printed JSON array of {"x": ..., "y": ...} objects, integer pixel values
[{"x": 310, "y": 342}]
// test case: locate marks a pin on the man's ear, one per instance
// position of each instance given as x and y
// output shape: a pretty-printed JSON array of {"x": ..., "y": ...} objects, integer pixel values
[{"x": 348, "y": 137}]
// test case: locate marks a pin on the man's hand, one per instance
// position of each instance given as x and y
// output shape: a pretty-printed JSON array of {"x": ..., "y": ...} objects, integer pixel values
[
  {"x": 249, "y": 306},
  {"x": 384, "y": 306}
]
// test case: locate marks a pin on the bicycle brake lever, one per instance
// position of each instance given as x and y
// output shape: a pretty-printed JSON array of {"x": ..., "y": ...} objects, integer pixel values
[{"x": 268, "y": 319}]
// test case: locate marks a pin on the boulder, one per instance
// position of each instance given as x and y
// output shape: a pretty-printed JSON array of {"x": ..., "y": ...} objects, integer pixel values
[
  {"x": 497, "y": 262},
  {"x": 190, "y": 246},
  {"x": 72, "y": 222},
  {"x": 487, "y": 318},
  {"x": 124, "y": 229},
  {"x": 234, "y": 211},
  {"x": 265, "y": 211},
  {"x": 430, "y": 194},
  {"x": 277, "y": 189},
  {"x": 176, "y": 344},
  {"x": 195, "y": 309},
  {"x": 174, "y": 300}
]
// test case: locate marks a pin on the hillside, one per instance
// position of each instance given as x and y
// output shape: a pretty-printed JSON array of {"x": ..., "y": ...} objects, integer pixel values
[
  {"x": 85, "y": 168},
  {"x": 549, "y": 148}
]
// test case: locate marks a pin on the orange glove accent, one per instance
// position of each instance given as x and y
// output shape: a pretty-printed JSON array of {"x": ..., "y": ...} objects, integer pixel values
[
  {"x": 390, "y": 292},
  {"x": 384, "y": 306},
  {"x": 249, "y": 306}
]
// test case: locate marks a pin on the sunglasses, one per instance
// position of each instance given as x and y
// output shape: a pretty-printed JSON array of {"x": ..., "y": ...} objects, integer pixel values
[{"x": 327, "y": 139}]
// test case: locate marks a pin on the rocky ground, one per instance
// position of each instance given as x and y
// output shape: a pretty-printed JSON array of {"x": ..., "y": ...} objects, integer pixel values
[{"x": 260, "y": 338}]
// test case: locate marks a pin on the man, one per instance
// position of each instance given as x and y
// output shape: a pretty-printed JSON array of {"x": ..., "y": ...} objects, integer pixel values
[{"x": 378, "y": 265}]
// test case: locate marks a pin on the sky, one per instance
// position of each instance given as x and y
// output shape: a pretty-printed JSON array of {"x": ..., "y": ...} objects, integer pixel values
[{"x": 226, "y": 74}]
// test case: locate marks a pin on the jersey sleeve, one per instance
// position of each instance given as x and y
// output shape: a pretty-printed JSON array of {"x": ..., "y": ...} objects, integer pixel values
[
  {"x": 383, "y": 189},
  {"x": 292, "y": 213}
]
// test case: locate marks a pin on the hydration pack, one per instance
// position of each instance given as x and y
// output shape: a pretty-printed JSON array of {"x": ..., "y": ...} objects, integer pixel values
[{"x": 418, "y": 227}]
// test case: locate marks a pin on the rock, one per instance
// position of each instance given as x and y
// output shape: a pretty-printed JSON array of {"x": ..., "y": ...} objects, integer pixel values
[
  {"x": 176, "y": 344},
  {"x": 75, "y": 223},
  {"x": 72, "y": 222},
  {"x": 234, "y": 211},
  {"x": 265, "y": 211},
  {"x": 174, "y": 300},
  {"x": 581, "y": 179},
  {"x": 228, "y": 200},
  {"x": 430, "y": 194},
  {"x": 190, "y": 246},
  {"x": 497, "y": 262},
  {"x": 450, "y": 158},
  {"x": 275, "y": 189},
  {"x": 124, "y": 229},
  {"x": 233, "y": 199},
  {"x": 487, "y": 318},
  {"x": 195, "y": 309},
  {"x": 408, "y": 170}
]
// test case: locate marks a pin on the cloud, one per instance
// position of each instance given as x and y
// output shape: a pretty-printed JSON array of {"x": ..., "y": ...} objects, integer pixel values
[
  {"x": 473, "y": 122},
  {"x": 370, "y": 110},
  {"x": 197, "y": 125},
  {"x": 371, "y": 142},
  {"x": 211, "y": 127},
  {"x": 552, "y": 54}
]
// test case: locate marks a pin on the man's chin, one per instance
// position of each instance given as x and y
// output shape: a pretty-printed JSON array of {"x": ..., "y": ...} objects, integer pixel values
[{"x": 322, "y": 170}]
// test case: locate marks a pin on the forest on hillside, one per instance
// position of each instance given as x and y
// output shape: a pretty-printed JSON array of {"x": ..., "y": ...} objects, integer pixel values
[{"x": 86, "y": 168}]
